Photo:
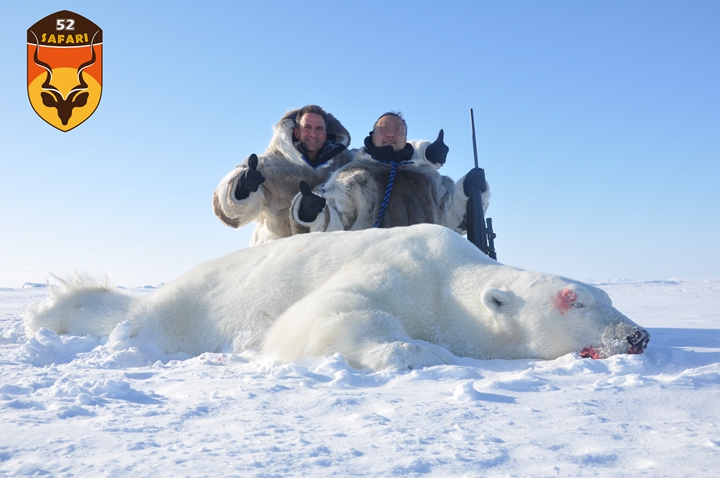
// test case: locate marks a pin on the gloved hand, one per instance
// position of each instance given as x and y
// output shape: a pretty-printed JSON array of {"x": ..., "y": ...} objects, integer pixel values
[
  {"x": 437, "y": 152},
  {"x": 251, "y": 179},
  {"x": 310, "y": 205},
  {"x": 474, "y": 178}
]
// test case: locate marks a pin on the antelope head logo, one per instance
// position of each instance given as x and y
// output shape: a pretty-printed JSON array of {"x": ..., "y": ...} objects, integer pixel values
[{"x": 76, "y": 97}]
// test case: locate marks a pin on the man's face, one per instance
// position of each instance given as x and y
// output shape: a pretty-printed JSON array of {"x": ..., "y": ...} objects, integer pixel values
[
  {"x": 311, "y": 133},
  {"x": 389, "y": 130}
]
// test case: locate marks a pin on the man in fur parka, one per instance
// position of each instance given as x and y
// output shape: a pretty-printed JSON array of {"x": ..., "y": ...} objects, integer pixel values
[
  {"x": 386, "y": 185},
  {"x": 308, "y": 145}
]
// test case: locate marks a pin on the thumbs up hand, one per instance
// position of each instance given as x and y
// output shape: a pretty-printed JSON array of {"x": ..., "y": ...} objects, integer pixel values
[
  {"x": 250, "y": 180},
  {"x": 437, "y": 152},
  {"x": 310, "y": 205}
]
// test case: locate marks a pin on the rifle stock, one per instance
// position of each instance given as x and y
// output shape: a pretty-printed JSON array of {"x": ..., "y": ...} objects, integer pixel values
[
  {"x": 491, "y": 239},
  {"x": 476, "y": 231}
]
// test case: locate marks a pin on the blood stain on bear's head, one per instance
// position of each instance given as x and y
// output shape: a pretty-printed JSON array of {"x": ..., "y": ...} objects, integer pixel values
[{"x": 564, "y": 300}]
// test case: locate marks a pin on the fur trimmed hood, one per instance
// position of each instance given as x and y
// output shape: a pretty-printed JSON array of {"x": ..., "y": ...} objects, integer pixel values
[{"x": 282, "y": 141}]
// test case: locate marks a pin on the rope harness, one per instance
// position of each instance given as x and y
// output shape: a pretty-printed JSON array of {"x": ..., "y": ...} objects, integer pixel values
[{"x": 388, "y": 189}]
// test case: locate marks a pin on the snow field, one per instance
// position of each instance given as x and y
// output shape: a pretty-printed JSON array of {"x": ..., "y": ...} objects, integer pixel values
[{"x": 109, "y": 406}]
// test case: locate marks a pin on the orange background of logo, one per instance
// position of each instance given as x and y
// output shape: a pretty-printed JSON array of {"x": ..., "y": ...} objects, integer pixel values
[{"x": 69, "y": 57}]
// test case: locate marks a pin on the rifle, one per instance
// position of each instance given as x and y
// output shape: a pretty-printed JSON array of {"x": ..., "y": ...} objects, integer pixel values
[{"x": 478, "y": 232}]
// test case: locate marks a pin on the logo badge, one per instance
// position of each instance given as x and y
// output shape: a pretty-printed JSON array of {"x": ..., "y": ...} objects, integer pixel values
[{"x": 64, "y": 65}]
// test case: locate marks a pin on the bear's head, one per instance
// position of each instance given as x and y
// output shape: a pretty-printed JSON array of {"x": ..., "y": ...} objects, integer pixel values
[{"x": 553, "y": 316}]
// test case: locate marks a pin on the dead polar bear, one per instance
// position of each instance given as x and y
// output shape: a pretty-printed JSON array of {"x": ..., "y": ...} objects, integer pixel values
[{"x": 400, "y": 297}]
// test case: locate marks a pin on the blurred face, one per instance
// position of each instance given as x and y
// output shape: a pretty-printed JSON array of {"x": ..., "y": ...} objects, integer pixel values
[
  {"x": 311, "y": 133},
  {"x": 389, "y": 130}
]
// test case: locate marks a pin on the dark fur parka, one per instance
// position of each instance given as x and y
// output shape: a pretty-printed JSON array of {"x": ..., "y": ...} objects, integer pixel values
[{"x": 419, "y": 195}]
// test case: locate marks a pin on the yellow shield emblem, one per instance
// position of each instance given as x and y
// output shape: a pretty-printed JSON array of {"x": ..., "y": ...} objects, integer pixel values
[{"x": 64, "y": 65}]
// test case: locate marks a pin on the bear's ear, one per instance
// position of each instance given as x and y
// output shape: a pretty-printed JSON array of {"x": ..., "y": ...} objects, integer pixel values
[{"x": 498, "y": 301}]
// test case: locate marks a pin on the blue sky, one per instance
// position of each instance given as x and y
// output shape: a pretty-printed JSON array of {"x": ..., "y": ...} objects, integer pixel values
[{"x": 598, "y": 125}]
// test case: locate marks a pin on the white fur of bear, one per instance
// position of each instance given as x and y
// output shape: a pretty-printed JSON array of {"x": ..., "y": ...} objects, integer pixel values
[{"x": 404, "y": 297}]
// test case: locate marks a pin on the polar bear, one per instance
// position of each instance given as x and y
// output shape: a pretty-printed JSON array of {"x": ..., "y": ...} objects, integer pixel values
[{"x": 404, "y": 297}]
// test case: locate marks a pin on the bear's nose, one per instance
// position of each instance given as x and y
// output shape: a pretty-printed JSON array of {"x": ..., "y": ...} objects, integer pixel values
[{"x": 638, "y": 341}]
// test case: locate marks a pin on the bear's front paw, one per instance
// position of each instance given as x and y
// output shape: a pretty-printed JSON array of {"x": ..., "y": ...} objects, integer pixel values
[{"x": 405, "y": 356}]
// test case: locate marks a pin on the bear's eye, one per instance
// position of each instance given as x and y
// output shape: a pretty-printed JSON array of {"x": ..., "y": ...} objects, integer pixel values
[{"x": 578, "y": 305}]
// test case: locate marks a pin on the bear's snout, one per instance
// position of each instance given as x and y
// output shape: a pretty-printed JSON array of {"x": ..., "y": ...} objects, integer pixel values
[
  {"x": 621, "y": 338},
  {"x": 638, "y": 341}
]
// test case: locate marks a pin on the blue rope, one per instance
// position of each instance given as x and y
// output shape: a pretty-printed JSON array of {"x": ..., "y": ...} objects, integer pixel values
[{"x": 388, "y": 189}]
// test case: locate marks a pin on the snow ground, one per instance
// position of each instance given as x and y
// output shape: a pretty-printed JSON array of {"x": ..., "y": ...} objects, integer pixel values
[{"x": 86, "y": 406}]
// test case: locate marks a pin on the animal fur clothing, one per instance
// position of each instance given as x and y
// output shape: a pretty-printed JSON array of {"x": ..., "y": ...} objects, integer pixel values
[
  {"x": 283, "y": 167},
  {"x": 420, "y": 194}
]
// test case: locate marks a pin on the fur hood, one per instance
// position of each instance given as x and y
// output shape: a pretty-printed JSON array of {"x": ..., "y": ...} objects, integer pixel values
[{"x": 282, "y": 141}]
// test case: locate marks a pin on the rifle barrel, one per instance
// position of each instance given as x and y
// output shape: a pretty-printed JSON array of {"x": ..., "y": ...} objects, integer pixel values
[{"x": 472, "y": 122}]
